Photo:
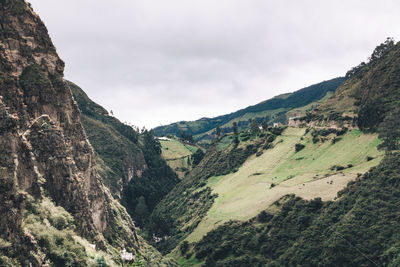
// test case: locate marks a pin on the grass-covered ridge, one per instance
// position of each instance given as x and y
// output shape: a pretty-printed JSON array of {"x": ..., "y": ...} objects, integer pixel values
[{"x": 275, "y": 109}]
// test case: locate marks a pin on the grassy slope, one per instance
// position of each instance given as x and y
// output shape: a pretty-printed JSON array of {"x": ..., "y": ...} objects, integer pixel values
[
  {"x": 177, "y": 154},
  {"x": 275, "y": 108},
  {"x": 244, "y": 194},
  {"x": 359, "y": 229}
]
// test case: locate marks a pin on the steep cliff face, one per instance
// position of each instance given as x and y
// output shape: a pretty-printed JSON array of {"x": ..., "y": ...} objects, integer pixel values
[
  {"x": 44, "y": 152},
  {"x": 118, "y": 154},
  {"x": 130, "y": 162}
]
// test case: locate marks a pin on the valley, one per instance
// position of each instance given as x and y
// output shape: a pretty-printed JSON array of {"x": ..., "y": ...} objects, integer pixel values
[
  {"x": 307, "y": 178},
  {"x": 307, "y": 173}
]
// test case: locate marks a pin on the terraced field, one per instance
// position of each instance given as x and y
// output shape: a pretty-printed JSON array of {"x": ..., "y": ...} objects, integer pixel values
[
  {"x": 177, "y": 155},
  {"x": 315, "y": 171}
]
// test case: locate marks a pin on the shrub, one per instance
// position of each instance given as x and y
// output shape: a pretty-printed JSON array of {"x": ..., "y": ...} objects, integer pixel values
[
  {"x": 184, "y": 247},
  {"x": 299, "y": 147},
  {"x": 369, "y": 158}
]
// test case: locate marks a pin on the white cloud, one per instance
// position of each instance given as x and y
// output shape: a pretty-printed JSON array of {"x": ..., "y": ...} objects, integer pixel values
[{"x": 154, "y": 62}]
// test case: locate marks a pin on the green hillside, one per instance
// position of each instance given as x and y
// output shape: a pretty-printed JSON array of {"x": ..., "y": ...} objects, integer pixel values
[
  {"x": 359, "y": 229},
  {"x": 178, "y": 155},
  {"x": 371, "y": 90},
  {"x": 318, "y": 194},
  {"x": 236, "y": 181},
  {"x": 307, "y": 173},
  {"x": 274, "y": 109}
]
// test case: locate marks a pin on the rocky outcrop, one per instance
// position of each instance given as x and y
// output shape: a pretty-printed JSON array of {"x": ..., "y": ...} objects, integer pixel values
[{"x": 43, "y": 146}]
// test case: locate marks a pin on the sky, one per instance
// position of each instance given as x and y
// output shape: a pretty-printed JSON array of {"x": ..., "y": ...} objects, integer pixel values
[{"x": 154, "y": 62}]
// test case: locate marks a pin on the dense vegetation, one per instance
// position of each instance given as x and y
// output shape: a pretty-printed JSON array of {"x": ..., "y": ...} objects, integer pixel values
[
  {"x": 360, "y": 229},
  {"x": 141, "y": 195},
  {"x": 380, "y": 82},
  {"x": 178, "y": 214},
  {"x": 370, "y": 91},
  {"x": 287, "y": 102}
]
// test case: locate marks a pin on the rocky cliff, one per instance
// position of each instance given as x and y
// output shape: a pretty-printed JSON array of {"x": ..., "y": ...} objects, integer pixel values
[{"x": 44, "y": 152}]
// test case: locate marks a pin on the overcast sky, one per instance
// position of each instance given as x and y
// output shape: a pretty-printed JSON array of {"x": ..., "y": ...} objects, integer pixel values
[{"x": 155, "y": 62}]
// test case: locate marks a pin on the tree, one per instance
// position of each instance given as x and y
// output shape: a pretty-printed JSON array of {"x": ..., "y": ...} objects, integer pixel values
[
  {"x": 254, "y": 127},
  {"x": 197, "y": 157},
  {"x": 389, "y": 131},
  {"x": 380, "y": 50},
  {"x": 235, "y": 128},
  {"x": 218, "y": 130},
  {"x": 141, "y": 211},
  {"x": 264, "y": 124},
  {"x": 151, "y": 143},
  {"x": 187, "y": 137}
]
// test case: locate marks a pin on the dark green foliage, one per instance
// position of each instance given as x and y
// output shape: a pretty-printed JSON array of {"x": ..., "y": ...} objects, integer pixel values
[
  {"x": 254, "y": 127},
  {"x": 354, "y": 71},
  {"x": 316, "y": 133},
  {"x": 337, "y": 168},
  {"x": 370, "y": 114},
  {"x": 264, "y": 124},
  {"x": 342, "y": 131},
  {"x": 369, "y": 158},
  {"x": 381, "y": 49},
  {"x": 156, "y": 181},
  {"x": 299, "y": 147},
  {"x": 100, "y": 261},
  {"x": 389, "y": 131},
  {"x": 189, "y": 201},
  {"x": 359, "y": 229},
  {"x": 186, "y": 137},
  {"x": 218, "y": 130},
  {"x": 297, "y": 99},
  {"x": 379, "y": 83},
  {"x": 198, "y": 156},
  {"x": 184, "y": 247},
  {"x": 141, "y": 212},
  {"x": 182, "y": 205},
  {"x": 276, "y": 130},
  {"x": 264, "y": 217},
  {"x": 235, "y": 128}
]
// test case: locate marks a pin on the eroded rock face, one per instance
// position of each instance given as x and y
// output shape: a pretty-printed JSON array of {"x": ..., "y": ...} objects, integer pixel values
[{"x": 43, "y": 147}]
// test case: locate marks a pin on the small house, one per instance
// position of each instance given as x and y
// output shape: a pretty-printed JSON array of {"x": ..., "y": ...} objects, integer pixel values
[{"x": 127, "y": 256}]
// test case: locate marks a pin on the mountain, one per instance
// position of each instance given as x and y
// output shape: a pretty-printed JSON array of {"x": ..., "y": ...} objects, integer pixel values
[
  {"x": 54, "y": 207},
  {"x": 366, "y": 97},
  {"x": 275, "y": 110},
  {"x": 130, "y": 163},
  {"x": 322, "y": 191}
]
